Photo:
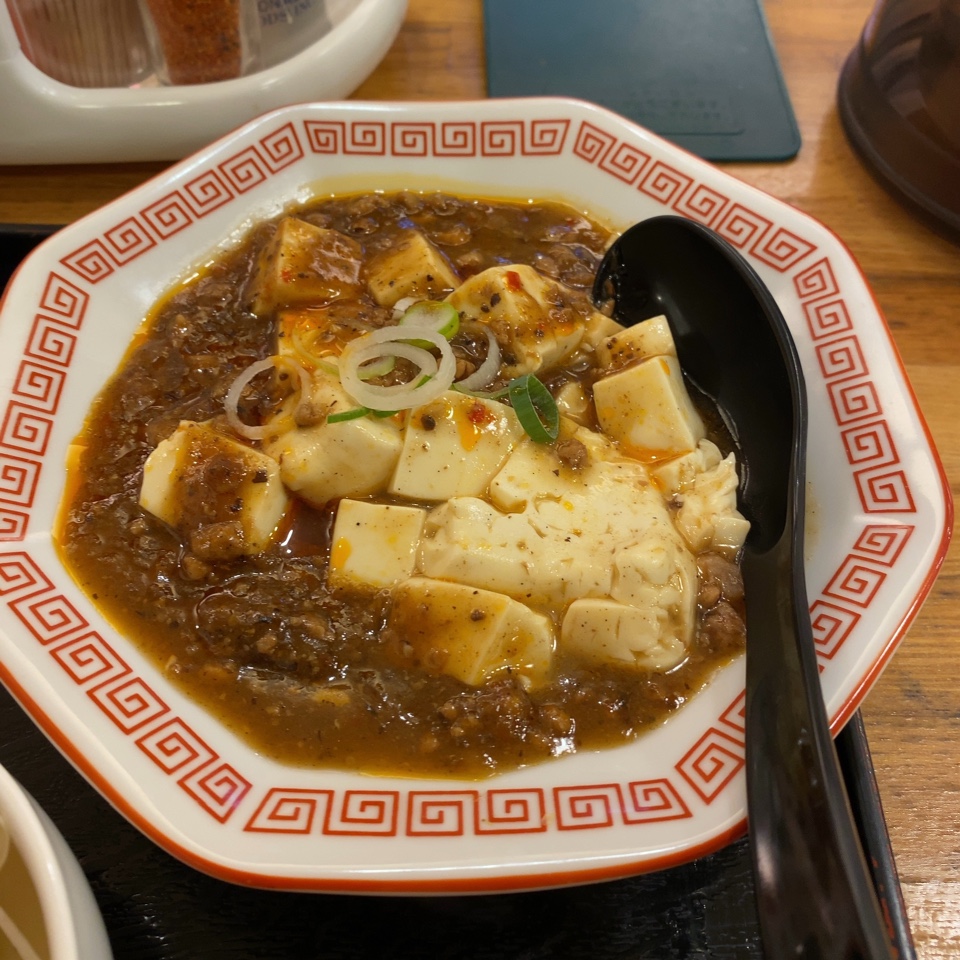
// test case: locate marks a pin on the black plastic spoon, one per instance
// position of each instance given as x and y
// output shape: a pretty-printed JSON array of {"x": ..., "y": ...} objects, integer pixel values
[{"x": 814, "y": 894}]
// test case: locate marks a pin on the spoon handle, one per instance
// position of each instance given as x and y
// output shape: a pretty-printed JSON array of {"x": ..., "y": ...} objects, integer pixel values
[{"x": 814, "y": 893}]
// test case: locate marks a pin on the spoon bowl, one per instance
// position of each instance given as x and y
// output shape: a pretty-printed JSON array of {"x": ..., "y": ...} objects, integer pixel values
[{"x": 814, "y": 894}]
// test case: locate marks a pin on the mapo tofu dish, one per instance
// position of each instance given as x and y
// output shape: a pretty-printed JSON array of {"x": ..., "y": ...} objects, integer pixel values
[{"x": 384, "y": 490}]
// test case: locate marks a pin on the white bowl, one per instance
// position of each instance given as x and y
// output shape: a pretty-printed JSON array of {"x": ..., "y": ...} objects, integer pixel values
[
  {"x": 73, "y": 924},
  {"x": 880, "y": 513}
]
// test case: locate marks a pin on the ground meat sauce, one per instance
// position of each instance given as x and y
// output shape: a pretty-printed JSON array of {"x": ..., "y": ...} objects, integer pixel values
[{"x": 306, "y": 675}]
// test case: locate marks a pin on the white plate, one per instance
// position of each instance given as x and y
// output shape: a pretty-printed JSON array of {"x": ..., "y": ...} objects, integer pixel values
[{"x": 880, "y": 514}]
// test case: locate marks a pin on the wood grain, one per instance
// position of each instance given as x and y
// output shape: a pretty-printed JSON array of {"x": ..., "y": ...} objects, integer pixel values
[{"x": 913, "y": 713}]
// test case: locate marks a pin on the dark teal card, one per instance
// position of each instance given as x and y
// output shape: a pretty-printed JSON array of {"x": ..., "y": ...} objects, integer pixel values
[{"x": 701, "y": 73}]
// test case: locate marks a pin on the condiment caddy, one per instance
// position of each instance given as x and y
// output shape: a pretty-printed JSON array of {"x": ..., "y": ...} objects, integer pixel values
[{"x": 321, "y": 57}]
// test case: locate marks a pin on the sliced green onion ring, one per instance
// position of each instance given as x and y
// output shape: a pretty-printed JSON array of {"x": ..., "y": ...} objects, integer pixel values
[
  {"x": 535, "y": 408},
  {"x": 344, "y": 415},
  {"x": 436, "y": 315},
  {"x": 357, "y": 412}
]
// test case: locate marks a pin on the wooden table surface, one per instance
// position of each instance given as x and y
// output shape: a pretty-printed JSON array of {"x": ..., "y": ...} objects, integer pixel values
[{"x": 913, "y": 713}]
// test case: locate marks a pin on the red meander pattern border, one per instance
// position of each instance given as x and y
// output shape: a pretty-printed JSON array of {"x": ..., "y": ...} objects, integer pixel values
[{"x": 706, "y": 766}]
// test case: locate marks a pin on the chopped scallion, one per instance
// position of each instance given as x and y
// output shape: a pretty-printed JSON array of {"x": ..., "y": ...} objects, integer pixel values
[
  {"x": 356, "y": 412},
  {"x": 535, "y": 408},
  {"x": 437, "y": 316},
  {"x": 344, "y": 415}
]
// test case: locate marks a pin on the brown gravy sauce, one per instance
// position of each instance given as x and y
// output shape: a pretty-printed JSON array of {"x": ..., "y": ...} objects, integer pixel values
[{"x": 305, "y": 675}]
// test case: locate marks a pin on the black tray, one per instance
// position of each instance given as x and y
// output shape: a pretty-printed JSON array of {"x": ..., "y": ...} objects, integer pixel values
[{"x": 156, "y": 908}]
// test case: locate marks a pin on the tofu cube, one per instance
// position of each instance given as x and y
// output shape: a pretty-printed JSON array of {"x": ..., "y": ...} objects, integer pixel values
[
  {"x": 526, "y": 314},
  {"x": 574, "y": 403},
  {"x": 198, "y": 479},
  {"x": 471, "y": 634},
  {"x": 606, "y": 631},
  {"x": 659, "y": 574},
  {"x": 374, "y": 545},
  {"x": 413, "y": 268},
  {"x": 304, "y": 263},
  {"x": 660, "y": 564},
  {"x": 674, "y": 475},
  {"x": 535, "y": 473},
  {"x": 599, "y": 328},
  {"x": 453, "y": 446},
  {"x": 649, "y": 338},
  {"x": 730, "y": 534},
  {"x": 708, "y": 499},
  {"x": 647, "y": 410},
  {"x": 705, "y": 483},
  {"x": 470, "y": 542},
  {"x": 551, "y": 532},
  {"x": 350, "y": 458}
]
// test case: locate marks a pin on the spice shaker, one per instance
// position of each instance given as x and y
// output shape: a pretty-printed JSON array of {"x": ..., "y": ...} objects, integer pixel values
[
  {"x": 126, "y": 43},
  {"x": 203, "y": 41},
  {"x": 84, "y": 43}
]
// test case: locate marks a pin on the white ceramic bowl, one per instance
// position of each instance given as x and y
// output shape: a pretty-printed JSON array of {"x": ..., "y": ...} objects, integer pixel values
[
  {"x": 879, "y": 507},
  {"x": 74, "y": 927}
]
